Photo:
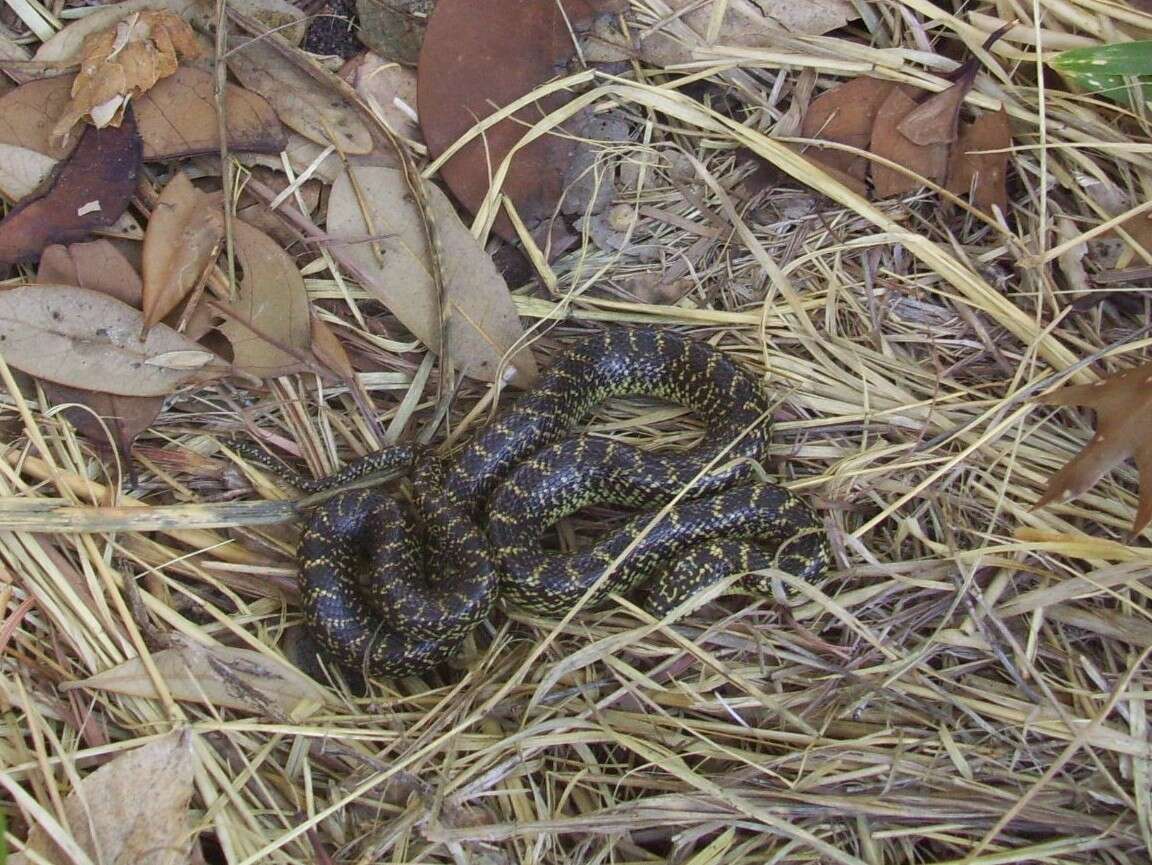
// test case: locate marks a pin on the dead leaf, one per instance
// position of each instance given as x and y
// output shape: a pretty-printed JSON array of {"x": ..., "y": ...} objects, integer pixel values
[
  {"x": 330, "y": 353},
  {"x": 321, "y": 114},
  {"x": 482, "y": 319},
  {"x": 86, "y": 339},
  {"x": 1123, "y": 406},
  {"x": 930, "y": 161},
  {"x": 271, "y": 315},
  {"x": 475, "y": 61},
  {"x": 217, "y": 676},
  {"x": 28, "y": 113},
  {"x": 133, "y": 810},
  {"x": 394, "y": 28},
  {"x": 845, "y": 114},
  {"x": 935, "y": 119},
  {"x": 22, "y": 171},
  {"x": 99, "y": 266},
  {"x": 390, "y": 86},
  {"x": 122, "y": 62},
  {"x": 982, "y": 174},
  {"x": 175, "y": 119},
  {"x": 89, "y": 190},
  {"x": 67, "y": 45},
  {"x": 759, "y": 24},
  {"x": 181, "y": 243}
]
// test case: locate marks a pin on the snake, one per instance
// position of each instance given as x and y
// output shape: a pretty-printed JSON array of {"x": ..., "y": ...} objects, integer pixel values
[{"x": 394, "y": 591}]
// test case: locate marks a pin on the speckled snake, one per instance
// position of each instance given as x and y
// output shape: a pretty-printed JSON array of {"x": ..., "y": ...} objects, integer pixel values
[{"x": 394, "y": 594}]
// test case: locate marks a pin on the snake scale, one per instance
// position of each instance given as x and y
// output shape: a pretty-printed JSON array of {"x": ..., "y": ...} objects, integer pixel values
[{"x": 392, "y": 592}]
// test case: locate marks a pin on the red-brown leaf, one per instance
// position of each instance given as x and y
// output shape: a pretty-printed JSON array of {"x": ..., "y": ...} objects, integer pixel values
[
  {"x": 1123, "y": 406},
  {"x": 845, "y": 114},
  {"x": 982, "y": 174},
  {"x": 89, "y": 190},
  {"x": 477, "y": 58}
]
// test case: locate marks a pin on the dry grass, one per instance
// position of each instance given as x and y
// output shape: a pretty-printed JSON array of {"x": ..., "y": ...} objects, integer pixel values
[{"x": 969, "y": 684}]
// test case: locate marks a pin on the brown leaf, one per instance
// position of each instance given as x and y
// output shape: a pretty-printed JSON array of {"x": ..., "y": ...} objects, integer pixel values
[
  {"x": 982, "y": 174},
  {"x": 929, "y": 161},
  {"x": 317, "y": 112},
  {"x": 393, "y": 29},
  {"x": 133, "y": 810},
  {"x": 475, "y": 61},
  {"x": 271, "y": 315},
  {"x": 90, "y": 190},
  {"x": 29, "y": 112},
  {"x": 934, "y": 120},
  {"x": 123, "y": 61},
  {"x": 66, "y": 46},
  {"x": 175, "y": 119},
  {"x": 482, "y": 319},
  {"x": 22, "y": 171},
  {"x": 1123, "y": 406},
  {"x": 330, "y": 353},
  {"x": 748, "y": 23},
  {"x": 86, "y": 339},
  {"x": 216, "y": 675},
  {"x": 386, "y": 84},
  {"x": 99, "y": 266},
  {"x": 180, "y": 244},
  {"x": 845, "y": 114}
]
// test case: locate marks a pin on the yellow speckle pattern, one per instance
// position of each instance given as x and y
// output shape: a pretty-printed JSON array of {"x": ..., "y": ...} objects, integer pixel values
[{"x": 394, "y": 594}]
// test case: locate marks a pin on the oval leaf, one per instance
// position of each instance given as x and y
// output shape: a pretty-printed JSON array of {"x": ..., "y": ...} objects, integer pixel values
[
  {"x": 86, "y": 339},
  {"x": 317, "y": 112},
  {"x": 482, "y": 319},
  {"x": 183, "y": 238},
  {"x": 135, "y": 808},
  {"x": 221, "y": 676},
  {"x": 90, "y": 190},
  {"x": 271, "y": 314}
]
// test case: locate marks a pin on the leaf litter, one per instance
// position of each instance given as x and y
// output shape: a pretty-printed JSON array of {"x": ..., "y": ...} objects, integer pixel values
[{"x": 989, "y": 654}]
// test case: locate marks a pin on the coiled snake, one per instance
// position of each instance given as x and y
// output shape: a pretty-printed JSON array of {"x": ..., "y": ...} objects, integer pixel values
[{"x": 375, "y": 599}]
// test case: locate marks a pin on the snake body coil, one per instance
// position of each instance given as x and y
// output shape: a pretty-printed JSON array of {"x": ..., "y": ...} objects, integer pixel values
[{"x": 378, "y": 600}]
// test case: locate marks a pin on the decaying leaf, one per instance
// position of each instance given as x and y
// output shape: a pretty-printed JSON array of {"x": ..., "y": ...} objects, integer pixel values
[
  {"x": 89, "y": 190},
  {"x": 181, "y": 243},
  {"x": 175, "y": 119},
  {"x": 123, "y": 61},
  {"x": 28, "y": 113},
  {"x": 482, "y": 320},
  {"x": 330, "y": 353},
  {"x": 929, "y": 161},
  {"x": 1123, "y": 406},
  {"x": 982, "y": 174},
  {"x": 390, "y": 86},
  {"x": 216, "y": 675},
  {"x": 476, "y": 60},
  {"x": 935, "y": 119},
  {"x": 86, "y": 339},
  {"x": 319, "y": 113},
  {"x": 133, "y": 810},
  {"x": 66, "y": 46},
  {"x": 270, "y": 324},
  {"x": 394, "y": 28},
  {"x": 845, "y": 114},
  {"x": 99, "y": 266},
  {"x": 758, "y": 24},
  {"x": 22, "y": 171}
]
